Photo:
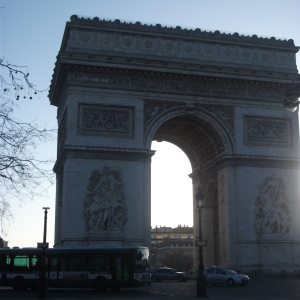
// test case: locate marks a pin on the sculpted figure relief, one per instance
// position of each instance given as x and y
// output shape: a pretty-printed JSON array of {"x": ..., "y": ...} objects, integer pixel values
[
  {"x": 267, "y": 130},
  {"x": 105, "y": 120},
  {"x": 105, "y": 203},
  {"x": 271, "y": 208}
]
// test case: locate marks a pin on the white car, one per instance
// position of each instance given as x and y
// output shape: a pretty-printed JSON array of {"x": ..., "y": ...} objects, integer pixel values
[{"x": 216, "y": 275}]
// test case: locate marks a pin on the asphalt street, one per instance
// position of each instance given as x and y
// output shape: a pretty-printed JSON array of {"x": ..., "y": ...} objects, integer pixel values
[{"x": 259, "y": 289}]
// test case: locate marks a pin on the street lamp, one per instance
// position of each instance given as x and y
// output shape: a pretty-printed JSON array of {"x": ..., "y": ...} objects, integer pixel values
[
  {"x": 42, "y": 292},
  {"x": 201, "y": 280},
  {"x": 292, "y": 95}
]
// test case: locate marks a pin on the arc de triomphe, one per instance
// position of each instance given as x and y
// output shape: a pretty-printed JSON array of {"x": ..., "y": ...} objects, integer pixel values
[{"x": 119, "y": 86}]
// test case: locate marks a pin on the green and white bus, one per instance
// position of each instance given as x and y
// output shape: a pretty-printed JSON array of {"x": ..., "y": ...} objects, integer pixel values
[{"x": 98, "y": 268}]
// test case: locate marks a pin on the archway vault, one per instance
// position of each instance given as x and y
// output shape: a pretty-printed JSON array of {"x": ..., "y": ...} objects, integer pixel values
[
  {"x": 193, "y": 136},
  {"x": 203, "y": 140}
]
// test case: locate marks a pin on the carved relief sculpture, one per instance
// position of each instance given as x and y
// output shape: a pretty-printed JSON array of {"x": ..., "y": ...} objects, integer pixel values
[
  {"x": 104, "y": 204},
  {"x": 263, "y": 130},
  {"x": 272, "y": 215},
  {"x": 99, "y": 119},
  {"x": 177, "y": 86},
  {"x": 105, "y": 120}
]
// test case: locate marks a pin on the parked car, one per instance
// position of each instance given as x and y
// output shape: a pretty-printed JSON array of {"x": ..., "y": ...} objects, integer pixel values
[
  {"x": 216, "y": 275},
  {"x": 168, "y": 274}
]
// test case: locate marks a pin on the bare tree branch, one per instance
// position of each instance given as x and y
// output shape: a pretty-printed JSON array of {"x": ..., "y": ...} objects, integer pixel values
[{"x": 22, "y": 174}]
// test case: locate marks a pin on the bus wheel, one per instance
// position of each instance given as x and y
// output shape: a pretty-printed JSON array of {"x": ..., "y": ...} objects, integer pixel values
[
  {"x": 19, "y": 283},
  {"x": 100, "y": 284}
]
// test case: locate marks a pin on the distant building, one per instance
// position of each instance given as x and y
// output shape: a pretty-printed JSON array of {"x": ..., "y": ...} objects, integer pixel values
[{"x": 168, "y": 244}]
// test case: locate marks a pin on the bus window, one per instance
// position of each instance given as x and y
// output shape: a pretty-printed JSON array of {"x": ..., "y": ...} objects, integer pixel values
[
  {"x": 21, "y": 262},
  {"x": 100, "y": 264},
  {"x": 53, "y": 261},
  {"x": 34, "y": 263},
  {"x": 5, "y": 262},
  {"x": 77, "y": 263},
  {"x": 63, "y": 264}
]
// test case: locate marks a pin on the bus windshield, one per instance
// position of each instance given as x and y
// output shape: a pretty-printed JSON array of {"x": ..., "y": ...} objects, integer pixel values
[{"x": 142, "y": 260}]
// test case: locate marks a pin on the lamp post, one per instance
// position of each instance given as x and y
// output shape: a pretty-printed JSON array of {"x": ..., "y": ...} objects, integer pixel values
[
  {"x": 201, "y": 280},
  {"x": 292, "y": 95},
  {"x": 42, "y": 291}
]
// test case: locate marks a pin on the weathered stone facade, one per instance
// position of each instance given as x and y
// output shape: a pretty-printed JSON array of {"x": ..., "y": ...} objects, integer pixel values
[{"x": 119, "y": 86}]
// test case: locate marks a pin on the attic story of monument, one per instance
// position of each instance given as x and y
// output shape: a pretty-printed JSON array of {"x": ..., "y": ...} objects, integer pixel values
[{"x": 219, "y": 97}]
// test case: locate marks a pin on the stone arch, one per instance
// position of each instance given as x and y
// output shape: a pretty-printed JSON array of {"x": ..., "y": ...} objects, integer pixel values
[
  {"x": 172, "y": 125},
  {"x": 204, "y": 138},
  {"x": 217, "y": 97}
]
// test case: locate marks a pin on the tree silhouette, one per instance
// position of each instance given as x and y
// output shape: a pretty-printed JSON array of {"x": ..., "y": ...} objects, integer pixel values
[{"x": 22, "y": 175}]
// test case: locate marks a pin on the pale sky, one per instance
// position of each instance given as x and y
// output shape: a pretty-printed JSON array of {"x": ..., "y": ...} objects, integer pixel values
[{"x": 31, "y": 35}]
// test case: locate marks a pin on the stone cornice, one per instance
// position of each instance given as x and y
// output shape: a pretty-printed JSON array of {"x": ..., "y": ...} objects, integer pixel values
[
  {"x": 164, "y": 69},
  {"x": 167, "y": 82},
  {"x": 93, "y": 152},
  {"x": 94, "y": 43},
  {"x": 252, "y": 161},
  {"x": 256, "y": 161},
  {"x": 244, "y": 161},
  {"x": 180, "y": 32}
]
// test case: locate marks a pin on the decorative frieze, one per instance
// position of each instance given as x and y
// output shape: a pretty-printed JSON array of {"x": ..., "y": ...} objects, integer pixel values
[
  {"x": 272, "y": 214},
  {"x": 104, "y": 205},
  {"x": 267, "y": 131},
  {"x": 196, "y": 49},
  {"x": 175, "y": 86},
  {"x": 99, "y": 119}
]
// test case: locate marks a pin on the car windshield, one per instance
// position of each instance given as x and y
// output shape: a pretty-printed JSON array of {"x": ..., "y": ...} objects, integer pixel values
[{"x": 230, "y": 271}]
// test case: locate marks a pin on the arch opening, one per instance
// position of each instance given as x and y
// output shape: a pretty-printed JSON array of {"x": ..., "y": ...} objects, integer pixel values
[
  {"x": 171, "y": 208},
  {"x": 202, "y": 146},
  {"x": 171, "y": 188}
]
